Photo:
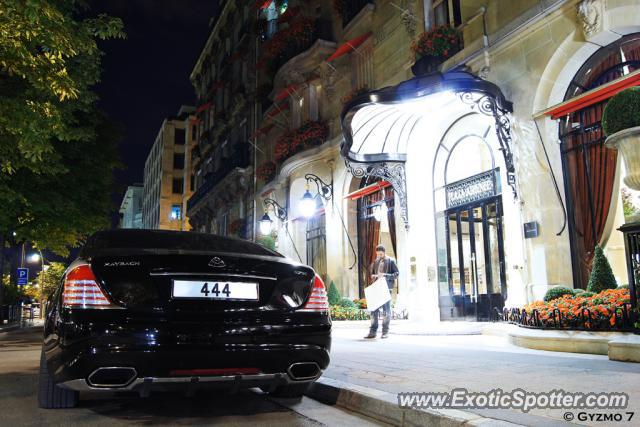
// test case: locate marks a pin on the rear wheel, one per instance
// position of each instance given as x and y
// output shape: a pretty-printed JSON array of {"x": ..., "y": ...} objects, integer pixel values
[
  {"x": 50, "y": 395},
  {"x": 289, "y": 390}
]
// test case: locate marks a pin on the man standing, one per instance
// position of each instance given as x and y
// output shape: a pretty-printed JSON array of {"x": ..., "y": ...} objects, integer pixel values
[{"x": 386, "y": 267}]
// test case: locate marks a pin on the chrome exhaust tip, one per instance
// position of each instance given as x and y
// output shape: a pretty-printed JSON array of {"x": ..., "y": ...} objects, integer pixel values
[
  {"x": 302, "y": 371},
  {"x": 112, "y": 377}
]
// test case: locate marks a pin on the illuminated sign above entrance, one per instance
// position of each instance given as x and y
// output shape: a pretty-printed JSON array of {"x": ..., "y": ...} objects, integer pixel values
[{"x": 472, "y": 189}]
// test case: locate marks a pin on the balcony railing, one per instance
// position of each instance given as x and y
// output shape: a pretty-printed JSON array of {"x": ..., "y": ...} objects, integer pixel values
[
  {"x": 351, "y": 8},
  {"x": 292, "y": 46},
  {"x": 240, "y": 159}
]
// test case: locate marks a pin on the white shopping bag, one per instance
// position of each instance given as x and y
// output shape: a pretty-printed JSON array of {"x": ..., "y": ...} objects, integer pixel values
[{"x": 377, "y": 294}]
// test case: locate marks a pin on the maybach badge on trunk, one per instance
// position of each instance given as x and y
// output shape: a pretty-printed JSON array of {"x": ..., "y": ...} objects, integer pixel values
[{"x": 217, "y": 262}]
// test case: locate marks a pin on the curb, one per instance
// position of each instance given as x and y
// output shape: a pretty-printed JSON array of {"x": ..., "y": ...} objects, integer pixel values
[{"x": 383, "y": 406}]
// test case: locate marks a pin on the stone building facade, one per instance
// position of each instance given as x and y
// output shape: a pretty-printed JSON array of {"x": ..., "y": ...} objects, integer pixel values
[
  {"x": 131, "y": 207},
  {"x": 473, "y": 177},
  {"x": 166, "y": 188}
]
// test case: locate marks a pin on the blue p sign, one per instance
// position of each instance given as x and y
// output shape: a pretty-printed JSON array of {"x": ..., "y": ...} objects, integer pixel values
[{"x": 23, "y": 276}]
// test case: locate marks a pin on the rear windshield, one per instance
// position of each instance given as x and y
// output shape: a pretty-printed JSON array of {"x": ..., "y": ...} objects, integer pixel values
[{"x": 168, "y": 240}]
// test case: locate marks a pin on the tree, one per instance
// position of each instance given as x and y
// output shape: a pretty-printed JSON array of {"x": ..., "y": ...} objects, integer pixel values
[
  {"x": 52, "y": 278},
  {"x": 601, "y": 277},
  {"x": 333, "y": 295},
  {"x": 57, "y": 153}
]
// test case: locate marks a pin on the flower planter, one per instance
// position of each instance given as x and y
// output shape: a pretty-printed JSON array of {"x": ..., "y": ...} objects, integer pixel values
[
  {"x": 426, "y": 65},
  {"x": 627, "y": 141}
]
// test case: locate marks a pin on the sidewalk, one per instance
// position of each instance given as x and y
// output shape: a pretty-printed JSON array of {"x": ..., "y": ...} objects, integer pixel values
[{"x": 437, "y": 363}]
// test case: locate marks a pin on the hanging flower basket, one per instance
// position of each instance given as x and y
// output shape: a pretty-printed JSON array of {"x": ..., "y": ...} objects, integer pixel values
[{"x": 433, "y": 47}]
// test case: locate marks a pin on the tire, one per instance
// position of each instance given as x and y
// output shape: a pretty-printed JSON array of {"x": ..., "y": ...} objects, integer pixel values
[
  {"x": 290, "y": 390},
  {"x": 50, "y": 395}
]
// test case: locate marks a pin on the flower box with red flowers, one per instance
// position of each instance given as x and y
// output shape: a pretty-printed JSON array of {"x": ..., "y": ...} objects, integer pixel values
[{"x": 432, "y": 47}]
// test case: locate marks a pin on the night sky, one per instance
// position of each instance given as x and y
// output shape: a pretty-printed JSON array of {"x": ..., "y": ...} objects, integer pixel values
[{"x": 146, "y": 76}]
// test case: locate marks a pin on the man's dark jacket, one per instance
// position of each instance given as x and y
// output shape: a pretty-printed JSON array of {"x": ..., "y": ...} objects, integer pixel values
[{"x": 390, "y": 268}]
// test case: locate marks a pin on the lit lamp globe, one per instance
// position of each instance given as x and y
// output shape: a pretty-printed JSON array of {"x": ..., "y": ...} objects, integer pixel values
[
  {"x": 380, "y": 211},
  {"x": 265, "y": 224},
  {"x": 307, "y": 205},
  {"x": 34, "y": 258}
]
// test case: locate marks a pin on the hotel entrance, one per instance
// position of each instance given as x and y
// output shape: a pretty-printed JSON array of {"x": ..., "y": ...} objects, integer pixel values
[{"x": 475, "y": 261}]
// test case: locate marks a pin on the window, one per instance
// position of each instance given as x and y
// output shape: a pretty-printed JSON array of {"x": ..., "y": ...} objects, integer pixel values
[
  {"x": 192, "y": 182},
  {"x": 179, "y": 136},
  {"x": 443, "y": 11},
  {"x": 178, "y": 160},
  {"x": 177, "y": 186},
  {"x": 176, "y": 212},
  {"x": 194, "y": 132}
]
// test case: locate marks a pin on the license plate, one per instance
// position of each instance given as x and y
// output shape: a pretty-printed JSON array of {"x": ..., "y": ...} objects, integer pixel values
[{"x": 215, "y": 290}]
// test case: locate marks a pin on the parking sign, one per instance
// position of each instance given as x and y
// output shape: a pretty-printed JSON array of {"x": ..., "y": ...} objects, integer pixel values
[{"x": 23, "y": 276}]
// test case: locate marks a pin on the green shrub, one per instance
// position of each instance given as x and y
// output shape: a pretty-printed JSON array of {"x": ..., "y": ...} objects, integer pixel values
[
  {"x": 622, "y": 111},
  {"x": 601, "y": 277},
  {"x": 557, "y": 292},
  {"x": 579, "y": 291},
  {"x": 333, "y": 294},
  {"x": 623, "y": 287},
  {"x": 267, "y": 241},
  {"x": 347, "y": 303},
  {"x": 586, "y": 294}
]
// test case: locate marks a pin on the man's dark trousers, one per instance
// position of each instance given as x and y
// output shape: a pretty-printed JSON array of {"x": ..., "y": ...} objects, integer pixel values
[{"x": 386, "y": 318}]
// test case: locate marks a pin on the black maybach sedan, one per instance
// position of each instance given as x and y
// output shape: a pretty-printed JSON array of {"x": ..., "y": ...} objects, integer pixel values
[{"x": 145, "y": 310}]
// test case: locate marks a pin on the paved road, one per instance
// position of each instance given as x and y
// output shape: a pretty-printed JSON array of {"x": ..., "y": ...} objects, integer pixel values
[
  {"x": 19, "y": 357},
  {"x": 404, "y": 363}
]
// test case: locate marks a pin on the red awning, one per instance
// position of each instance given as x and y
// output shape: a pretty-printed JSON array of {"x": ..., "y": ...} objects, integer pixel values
[
  {"x": 277, "y": 109},
  {"x": 349, "y": 46},
  {"x": 369, "y": 189},
  {"x": 203, "y": 107},
  {"x": 284, "y": 93},
  {"x": 592, "y": 96},
  {"x": 262, "y": 4}
]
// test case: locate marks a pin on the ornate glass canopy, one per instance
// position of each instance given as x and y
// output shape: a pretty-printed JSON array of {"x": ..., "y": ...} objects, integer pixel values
[{"x": 378, "y": 125}]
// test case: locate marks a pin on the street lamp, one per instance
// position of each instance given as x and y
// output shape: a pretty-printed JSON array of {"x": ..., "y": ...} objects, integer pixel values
[
  {"x": 308, "y": 202},
  {"x": 266, "y": 223},
  {"x": 34, "y": 258}
]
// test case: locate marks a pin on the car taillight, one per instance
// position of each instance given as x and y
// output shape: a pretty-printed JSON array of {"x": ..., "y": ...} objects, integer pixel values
[
  {"x": 81, "y": 289},
  {"x": 318, "y": 300}
]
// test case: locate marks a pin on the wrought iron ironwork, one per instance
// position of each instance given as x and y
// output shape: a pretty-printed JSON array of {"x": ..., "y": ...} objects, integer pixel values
[
  {"x": 487, "y": 105},
  {"x": 280, "y": 212},
  {"x": 622, "y": 319},
  {"x": 393, "y": 172},
  {"x": 324, "y": 190}
]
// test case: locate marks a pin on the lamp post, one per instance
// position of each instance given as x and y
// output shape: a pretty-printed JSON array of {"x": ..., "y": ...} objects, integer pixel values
[
  {"x": 34, "y": 258},
  {"x": 266, "y": 223}
]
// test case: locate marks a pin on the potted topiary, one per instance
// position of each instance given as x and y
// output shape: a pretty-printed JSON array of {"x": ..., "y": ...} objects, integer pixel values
[
  {"x": 432, "y": 47},
  {"x": 621, "y": 125}
]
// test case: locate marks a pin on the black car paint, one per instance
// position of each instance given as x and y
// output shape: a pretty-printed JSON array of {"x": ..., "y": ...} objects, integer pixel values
[{"x": 157, "y": 334}]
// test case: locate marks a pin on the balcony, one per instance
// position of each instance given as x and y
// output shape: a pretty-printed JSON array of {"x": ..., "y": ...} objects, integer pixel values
[
  {"x": 292, "y": 41},
  {"x": 241, "y": 158}
]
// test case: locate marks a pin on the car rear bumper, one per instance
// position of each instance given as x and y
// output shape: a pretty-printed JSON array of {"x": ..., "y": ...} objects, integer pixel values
[
  {"x": 169, "y": 357},
  {"x": 145, "y": 385}
]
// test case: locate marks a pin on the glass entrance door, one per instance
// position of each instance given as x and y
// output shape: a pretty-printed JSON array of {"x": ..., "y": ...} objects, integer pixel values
[{"x": 475, "y": 261}]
